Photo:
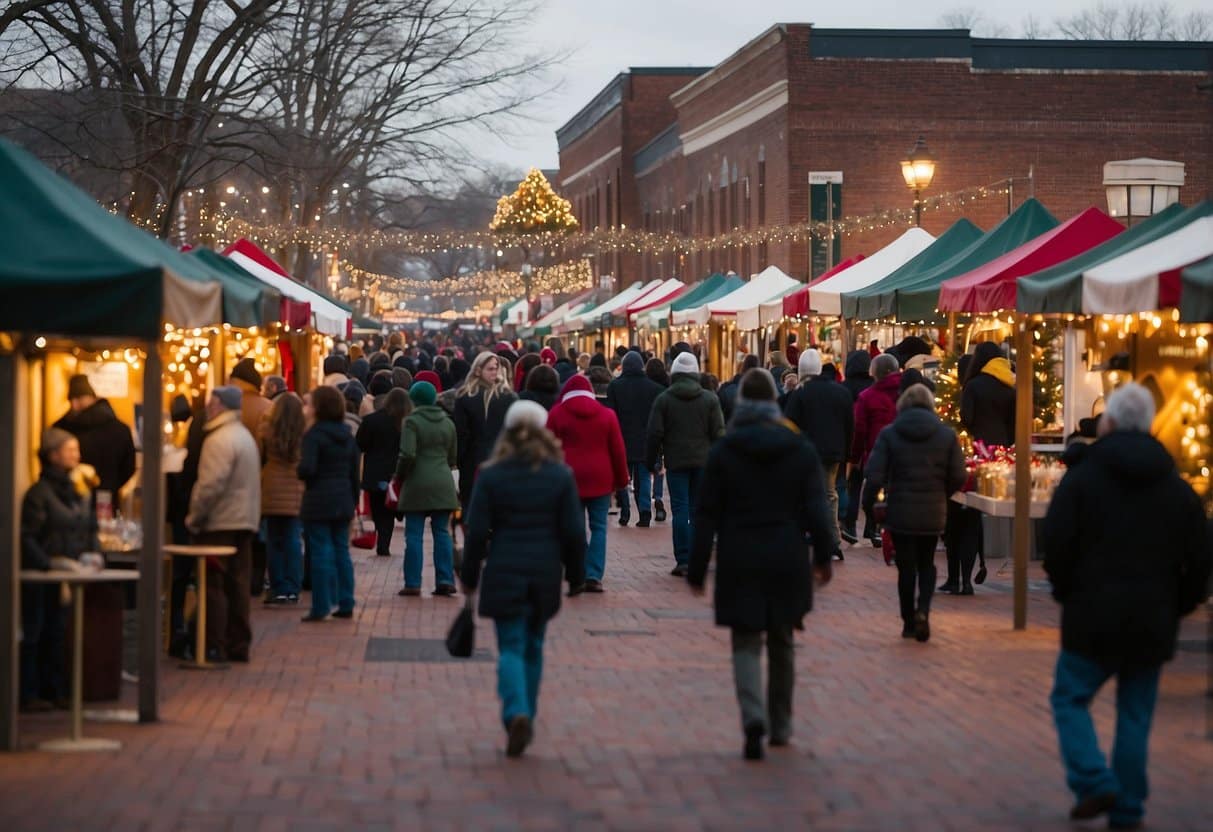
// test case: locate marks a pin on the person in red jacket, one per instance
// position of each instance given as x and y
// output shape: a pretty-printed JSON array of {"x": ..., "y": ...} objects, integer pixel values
[
  {"x": 875, "y": 409},
  {"x": 600, "y": 467}
]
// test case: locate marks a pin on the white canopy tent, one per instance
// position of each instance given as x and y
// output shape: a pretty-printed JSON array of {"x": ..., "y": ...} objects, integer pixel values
[
  {"x": 825, "y": 297},
  {"x": 329, "y": 318},
  {"x": 765, "y": 285},
  {"x": 614, "y": 304},
  {"x": 1131, "y": 281},
  {"x": 751, "y": 317}
]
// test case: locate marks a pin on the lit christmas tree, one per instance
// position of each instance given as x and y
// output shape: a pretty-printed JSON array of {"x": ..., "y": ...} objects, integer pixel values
[{"x": 533, "y": 208}]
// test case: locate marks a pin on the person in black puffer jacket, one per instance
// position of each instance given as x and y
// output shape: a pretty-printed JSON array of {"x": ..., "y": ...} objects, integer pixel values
[
  {"x": 480, "y": 408},
  {"x": 328, "y": 466},
  {"x": 1123, "y": 583},
  {"x": 631, "y": 396},
  {"x": 526, "y": 520},
  {"x": 378, "y": 438},
  {"x": 987, "y": 401},
  {"x": 919, "y": 463},
  {"x": 105, "y": 442},
  {"x": 56, "y": 521},
  {"x": 857, "y": 378}
]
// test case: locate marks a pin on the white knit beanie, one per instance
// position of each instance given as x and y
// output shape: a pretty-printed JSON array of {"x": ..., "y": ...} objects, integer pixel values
[
  {"x": 526, "y": 413},
  {"x": 685, "y": 363},
  {"x": 809, "y": 364}
]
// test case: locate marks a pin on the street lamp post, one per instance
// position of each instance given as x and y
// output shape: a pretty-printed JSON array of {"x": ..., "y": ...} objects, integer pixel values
[{"x": 918, "y": 169}]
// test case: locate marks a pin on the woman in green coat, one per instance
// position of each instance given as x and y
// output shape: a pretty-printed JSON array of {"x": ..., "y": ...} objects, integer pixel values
[{"x": 427, "y": 489}]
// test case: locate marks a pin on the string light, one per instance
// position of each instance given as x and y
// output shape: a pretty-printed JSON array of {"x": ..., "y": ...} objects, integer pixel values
[
  {"x": 545, "y": 280},
  {"x": 533, "y": 207}
]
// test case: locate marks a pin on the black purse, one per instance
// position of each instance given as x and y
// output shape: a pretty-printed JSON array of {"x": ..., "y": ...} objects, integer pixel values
[{"x": 461, "y": 639}]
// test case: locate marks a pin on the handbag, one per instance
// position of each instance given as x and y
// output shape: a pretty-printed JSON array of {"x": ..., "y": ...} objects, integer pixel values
[
  {"x": 363, "y": 539},
  {"x": 461, "y": 638}
]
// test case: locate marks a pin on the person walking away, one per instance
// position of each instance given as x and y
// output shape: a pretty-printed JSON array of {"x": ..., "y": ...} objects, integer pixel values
[
  {"x": 354, "y": 393},
  {"x": 762, "y": 492},
  {"x": 542, "y": 386},
  {"x": 919, "y": 464},
  {"x": 105, "y": 442},
  {"x": 875, "y": 409},
  {"x": 593, "y": 447},
  {"x": 728, "y": 390},
  {"x": 57, "y": 521},
  {"x": 479, "y": 414},
  {"x": 685, "y": 421},
  {"x": 281, "y": 498},
  {"x": 655, "y": 369},
  {"x": 427, "y": 452},
  {"x": 526, "y": 519},
  {"x": 856, "y": 379},
  {"x": 225, "y": 510},
  {"x": 328, "y": 466},
  {"x": 631, "y": 396},
  {"x": 378, "y": 438},
  {"x": 822, "y": 410},
  {"x": 1123, "y": 586}
]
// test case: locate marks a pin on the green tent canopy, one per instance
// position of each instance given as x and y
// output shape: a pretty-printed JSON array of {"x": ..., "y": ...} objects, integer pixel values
[
  {"x": 70, "y": 267},
  {"x": 247, "y": 301},
  {"x": 875, "y": 301},
  {"x": 918, "y": 300},
  {"x": 1058, "y": 289},
  {"x": 1196, "y": 292},
  {"x": 712, "y": 288}
]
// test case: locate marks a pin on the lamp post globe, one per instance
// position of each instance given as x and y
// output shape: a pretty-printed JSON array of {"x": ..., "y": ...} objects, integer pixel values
[{"x": 918, "y": 169}]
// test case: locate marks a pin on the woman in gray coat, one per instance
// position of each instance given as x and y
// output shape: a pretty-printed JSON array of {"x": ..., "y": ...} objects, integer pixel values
[{"x": 918, "y": 462}]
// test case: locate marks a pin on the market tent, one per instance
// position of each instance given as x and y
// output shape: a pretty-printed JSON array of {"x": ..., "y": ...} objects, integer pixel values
[
  {"x": 1196, "y": 295},
  {"x": 764, "y": 286},
  {"x": 259, "y": 304},
  {"x": 916, "y": 298},
  {"x": 1146, "y": 277},
  {"x": 543, "y": 326},
  {"x": 515, "y": 313},
  {"x": 798, "y": 301},
  {"x": 991, "y": 286},
  {"x": 328, "y": 317},
  {"x": 1058, "y": 289},
  {"x": 662, "y": 294},
  {"x": 71, "y": 267},
  {"x": 698, "y": 293},
  {"x": 825, "y": 296},
  {"x": 593, "y": 317},
  {"x": 866, "y": 304},
  {"x": 751, "y": 316}
]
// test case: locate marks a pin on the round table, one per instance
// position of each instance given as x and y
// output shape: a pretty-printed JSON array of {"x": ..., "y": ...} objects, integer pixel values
[
  {"x": 201, "y": 553},
  {"x": 77, "y": 581}
]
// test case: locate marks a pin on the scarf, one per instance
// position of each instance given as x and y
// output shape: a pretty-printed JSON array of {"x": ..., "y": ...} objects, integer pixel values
[{"x": 1000, "y": 368}]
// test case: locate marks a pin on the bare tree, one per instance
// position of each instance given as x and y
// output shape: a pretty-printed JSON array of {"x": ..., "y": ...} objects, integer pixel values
[
  {"x": 1034, "y": 28},
  {"x": 973, "y": 19},
  {"x": 1135, "y": 21}
]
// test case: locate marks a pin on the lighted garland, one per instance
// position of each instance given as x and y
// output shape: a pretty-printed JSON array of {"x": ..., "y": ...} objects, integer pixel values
[{"x": 545, "y": 280}]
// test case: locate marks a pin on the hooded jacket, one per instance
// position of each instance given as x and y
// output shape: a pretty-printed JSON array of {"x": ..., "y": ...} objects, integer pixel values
[
  {"x": 631, "y": 396},
  {"x": 762, "y": 491},
  {"x": 428, "y": 452},
  {"x": 328, "y": 466},
  {"x": 227, "y": 495},
  {"x": 254, "y": 407},
  {"x": 917, "y": 460},
  {"x": 593, "y": 444},
  {"x": 987, "y": 404},
  {"x": 105, "y": 444},
  {"x": 823, "y": 411},
  {"x": 875, "y": 408},
  {"x": 1127, "y": 550},
  {"x": 56, "y": 521},
  {"x": 685, "y": 421},
  {"x": 857, "y": 376}
]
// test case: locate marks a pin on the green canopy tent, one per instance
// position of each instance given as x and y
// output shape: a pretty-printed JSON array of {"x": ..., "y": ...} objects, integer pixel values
[
  {"x": 918, "y": 300},
  {"x": 1196, "y": 292},
  {"x": 867, "y": 304},
  {"x": 712, "y": 288},
  {"x": 1058, "y": 289},
  {"x": 71, "y": 268},
  {"x": 247, "y": 301}
]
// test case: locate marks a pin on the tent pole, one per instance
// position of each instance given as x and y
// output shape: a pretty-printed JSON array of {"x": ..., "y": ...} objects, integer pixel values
[
  {"x": 10, "y": 541},
  {"x": 149, "y": 591},
  {"x": 952, "y": 334},
  {"x": 1023, "y": 466}
]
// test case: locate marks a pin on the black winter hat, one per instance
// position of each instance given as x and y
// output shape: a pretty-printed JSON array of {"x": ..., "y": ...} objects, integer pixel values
[
  {"x": 353, "y": 391},
  {"x": 380, "y": 361},
  {"x": 336, "y": 364},
  {"x": 381, "y": 382},
  {"x": 246, "y": 371}
]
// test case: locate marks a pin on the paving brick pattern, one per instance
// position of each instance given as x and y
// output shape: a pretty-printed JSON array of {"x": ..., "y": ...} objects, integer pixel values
[{"x": 638, "y": 728}]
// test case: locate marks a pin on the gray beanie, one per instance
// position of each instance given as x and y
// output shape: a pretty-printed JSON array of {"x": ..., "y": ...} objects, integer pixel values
[{"x": 230, "y": 396}]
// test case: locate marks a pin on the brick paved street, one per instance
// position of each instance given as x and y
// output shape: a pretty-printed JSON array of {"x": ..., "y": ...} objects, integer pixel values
[{"x": 638, "y": 728}]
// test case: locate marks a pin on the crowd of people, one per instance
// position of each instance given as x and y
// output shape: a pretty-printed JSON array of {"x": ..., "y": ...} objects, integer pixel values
[{"x": 527, "y": 449}]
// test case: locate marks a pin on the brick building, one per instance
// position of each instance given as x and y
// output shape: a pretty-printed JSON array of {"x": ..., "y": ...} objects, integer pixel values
[{"x": 703, "y": 152}]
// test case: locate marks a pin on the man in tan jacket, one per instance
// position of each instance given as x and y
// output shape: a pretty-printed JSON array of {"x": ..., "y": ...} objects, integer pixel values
[
  {"x": 225, "y": 510},
  {"x": 255, "y": 414}
]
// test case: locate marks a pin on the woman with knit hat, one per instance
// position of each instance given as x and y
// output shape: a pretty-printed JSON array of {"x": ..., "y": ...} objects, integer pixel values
[
  {"x": 56, "y": 522},
  {"x": 427, "y": 489},
  {"x": 593, "y": 448},
  {"x": 527, "y": 520}
]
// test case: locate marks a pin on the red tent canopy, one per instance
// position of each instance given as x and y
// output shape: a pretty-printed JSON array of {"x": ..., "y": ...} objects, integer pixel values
[
  {"x": 991, "y": 286},
  {"x": 797, "y": 303}
]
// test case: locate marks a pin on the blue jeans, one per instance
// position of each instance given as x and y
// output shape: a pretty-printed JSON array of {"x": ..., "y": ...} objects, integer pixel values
[
  {"x": 642, "y": 483},
  {"x": 328, "y": 544},
  {"x": 284, "y": 551},
  {"x": 414, "y": 551},
  {"x": 595, "y": 554},
  {"x": 684, "y": 492},
  {"x": 519, "y": 666},
  {"x": 1076, "y": 682},
  {"x": 658, "y": 485}
]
